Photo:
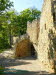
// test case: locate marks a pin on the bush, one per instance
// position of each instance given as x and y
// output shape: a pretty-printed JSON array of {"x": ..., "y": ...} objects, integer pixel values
[{"x": 4, "y": 43}]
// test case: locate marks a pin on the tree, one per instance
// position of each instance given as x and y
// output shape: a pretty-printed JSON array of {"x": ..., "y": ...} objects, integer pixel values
[
  {"x": 4, "y": 7},
  {"x": 26, "y": 15},
  {"x": 13, "y": 24},
  {"x": 11, "y": 15}
]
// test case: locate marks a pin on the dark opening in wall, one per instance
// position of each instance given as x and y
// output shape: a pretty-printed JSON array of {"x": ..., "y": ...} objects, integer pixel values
[
  {"x": 54, "y": 13},
  {"x": 54, "y": 16},
  {"x": 45, "y": 26},
  {"x": 33, "y": 51}
]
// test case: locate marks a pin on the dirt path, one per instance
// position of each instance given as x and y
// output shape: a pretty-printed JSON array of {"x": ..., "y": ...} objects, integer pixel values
[{"x": 26, "y": 66}]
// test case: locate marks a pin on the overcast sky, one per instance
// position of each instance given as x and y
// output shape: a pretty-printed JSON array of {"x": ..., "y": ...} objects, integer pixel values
[{"x": 20, "y": 5}]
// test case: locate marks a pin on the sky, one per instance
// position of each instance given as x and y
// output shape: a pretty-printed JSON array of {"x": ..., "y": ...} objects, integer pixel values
[{"x": 20, "y": 5}]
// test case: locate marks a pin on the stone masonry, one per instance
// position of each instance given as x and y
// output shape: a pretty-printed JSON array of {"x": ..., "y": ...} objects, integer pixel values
[
  {"x": 33, "y": 30},
  {"x": 44, "y": 41},
  {"x": 47, "y": 36}
]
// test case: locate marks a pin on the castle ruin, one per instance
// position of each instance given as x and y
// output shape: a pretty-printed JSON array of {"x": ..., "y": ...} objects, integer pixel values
[
  {"x": 45, "y": 43},
  {"x": 44, "y": 39},
  {"x": 25, "y": 44}
]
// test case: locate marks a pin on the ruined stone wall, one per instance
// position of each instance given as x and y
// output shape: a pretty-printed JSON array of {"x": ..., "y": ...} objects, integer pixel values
[
  {"x": 45, "y": 47},
  {"x": 15, "y": 39},
  {"x": 33, "y": 30},
  {"x": 44, "y": 41},
  {"x": 25, "y": 44}
]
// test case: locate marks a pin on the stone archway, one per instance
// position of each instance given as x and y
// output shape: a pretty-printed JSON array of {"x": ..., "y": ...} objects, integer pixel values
[{"x": 25, "y": 48}]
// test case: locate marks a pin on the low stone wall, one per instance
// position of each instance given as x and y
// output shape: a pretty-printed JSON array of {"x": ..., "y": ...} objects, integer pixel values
[{"x": 15, "y": 39}]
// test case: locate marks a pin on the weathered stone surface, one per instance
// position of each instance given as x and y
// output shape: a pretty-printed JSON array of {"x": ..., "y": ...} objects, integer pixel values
[
  {"x": 33, "y": 30},
  {"x": 19, "y": 38},
  {"x": 46, "y": 43},
  {"x": 15, "y": 39}
]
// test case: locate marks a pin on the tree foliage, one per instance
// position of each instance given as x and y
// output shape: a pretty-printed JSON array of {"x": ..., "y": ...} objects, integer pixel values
[
  {"x": 13, "y": 24},
  {"x": 4, "y": 6},
  {"x": 27, "y": 15}
]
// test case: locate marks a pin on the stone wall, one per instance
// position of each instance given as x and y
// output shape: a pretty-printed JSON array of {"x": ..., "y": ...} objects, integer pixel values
[
  {"x": 25, "y": 43},
  {"x": 33, "y": 30},
  {"x": 15, "y": 39},
  {"x": 45, "y": 47}
]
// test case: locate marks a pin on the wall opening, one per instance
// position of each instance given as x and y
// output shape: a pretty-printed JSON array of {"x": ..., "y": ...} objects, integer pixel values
[
  {"x": 33, "y": 51},
  {"x": 45, "y": 26},
  {"x": 54, "y": 11},
  {"x": 54, "y": 16}
]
